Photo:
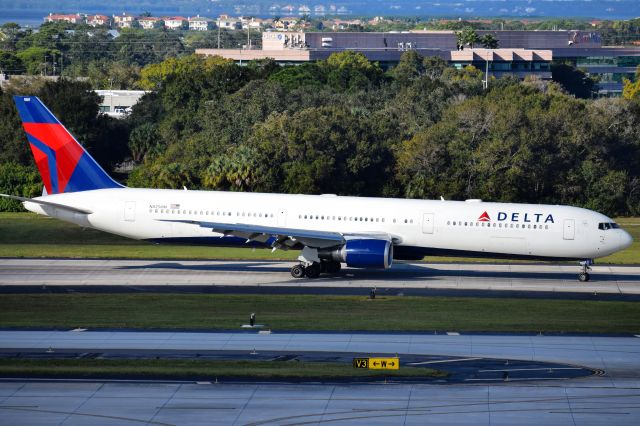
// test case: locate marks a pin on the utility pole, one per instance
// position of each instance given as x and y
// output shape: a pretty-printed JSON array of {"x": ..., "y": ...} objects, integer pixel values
[
  {"x": 248, "y": 37},
  {"x": 218, "y": 34},
  {"x": 486, "y": 72}
]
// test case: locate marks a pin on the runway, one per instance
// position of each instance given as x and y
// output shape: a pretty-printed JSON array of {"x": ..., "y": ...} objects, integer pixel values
[
  {"x": 403, "y": 277},
  {"x": 610, "y": 398}
]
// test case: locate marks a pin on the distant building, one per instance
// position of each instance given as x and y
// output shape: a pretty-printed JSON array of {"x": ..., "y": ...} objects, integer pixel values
[
  {"x": 73, "y": 19},
  {"x": 199, "y": 24},
  {"x": 149, "y": 22},
  {"x": 250, "y": 22},
  {"x": 339, "y": 24},
  {"x": 228, "y": 22},
  {"x": 99, "y": 20},
  {"x": 387, "y": 48},
  {"x": 501, "y": 62},
  {"x": 176, "y": 23},
  {"x": 118, "y": 103},
  {"x": 124, "y": 20},
  {"x": 582, "y": 48},
  {"x": 285, "y": 24}
]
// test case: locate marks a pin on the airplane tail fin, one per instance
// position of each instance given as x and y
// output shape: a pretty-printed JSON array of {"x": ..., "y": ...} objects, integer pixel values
[{"x": 64, "y": 165}]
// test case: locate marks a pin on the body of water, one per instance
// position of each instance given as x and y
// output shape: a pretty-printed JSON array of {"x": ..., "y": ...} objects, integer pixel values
[{"x": 28, "y": 13}]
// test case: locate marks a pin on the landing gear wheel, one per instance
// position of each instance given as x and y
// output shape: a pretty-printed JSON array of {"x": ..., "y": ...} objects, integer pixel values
[
  {"x": 313, "y": 270},
  {"x": 583, "y": 277},
  {"x": 297, "y": 271}
]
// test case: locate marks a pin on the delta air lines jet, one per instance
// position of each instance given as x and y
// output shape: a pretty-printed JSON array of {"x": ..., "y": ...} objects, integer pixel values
[{"x": 329, "y": 230}]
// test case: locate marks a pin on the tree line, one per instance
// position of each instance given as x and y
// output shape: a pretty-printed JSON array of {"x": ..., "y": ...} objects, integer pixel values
[
  {"x": 421, "y": 130},
  {"x": 97, "y": 55}
]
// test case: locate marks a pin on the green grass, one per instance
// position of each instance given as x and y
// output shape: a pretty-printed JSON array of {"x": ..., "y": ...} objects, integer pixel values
[
  {"x": 198, "y": 369},
  {"x": 30, "y": 235},
  {"x": 303, "y": 312}
]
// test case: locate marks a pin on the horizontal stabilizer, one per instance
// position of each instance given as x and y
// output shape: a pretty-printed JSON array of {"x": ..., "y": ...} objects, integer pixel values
[{"x": 47, "y": 203}]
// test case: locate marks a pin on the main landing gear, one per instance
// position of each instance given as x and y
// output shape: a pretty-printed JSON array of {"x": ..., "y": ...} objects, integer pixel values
[
  {"x": 314, "y": 269},
  {"x": 311, "y": 266},
  {"x": 586, "y": 267}
]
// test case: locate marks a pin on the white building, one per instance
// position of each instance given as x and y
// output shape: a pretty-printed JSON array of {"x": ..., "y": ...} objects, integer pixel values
[
  {"x": 99, "y": 20},
  {"x": 149, "y": 22},
  {"x": 176, "y": 23},
  {"x": 229, "y": 22},
  {"x": 75, "y": 18},
  {"x": 124, "y": 20},
  {"x": 199, "y": 23},
  {"x": 118, "y": 103}
]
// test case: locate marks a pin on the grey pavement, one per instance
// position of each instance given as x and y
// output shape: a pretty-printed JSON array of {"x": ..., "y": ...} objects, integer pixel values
[
  {"x": 612, "y": 399},
  {"x": 558, "y": 278},
  {"x": 618, "y": 356},
  {"x": 572, "y": 403}
]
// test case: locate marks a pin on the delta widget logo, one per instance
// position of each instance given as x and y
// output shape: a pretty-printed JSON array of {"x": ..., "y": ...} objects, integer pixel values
[{"x": 484, "y": 217}]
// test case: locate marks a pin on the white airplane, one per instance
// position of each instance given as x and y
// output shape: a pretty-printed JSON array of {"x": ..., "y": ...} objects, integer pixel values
[{"x": 328, "y": 229}]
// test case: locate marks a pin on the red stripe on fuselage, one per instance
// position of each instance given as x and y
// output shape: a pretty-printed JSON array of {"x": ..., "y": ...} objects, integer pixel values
[{"x": 68, "y": 151}]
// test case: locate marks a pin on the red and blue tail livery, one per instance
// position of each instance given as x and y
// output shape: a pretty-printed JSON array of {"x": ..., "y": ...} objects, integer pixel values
[{"x": 64, "y": 165}]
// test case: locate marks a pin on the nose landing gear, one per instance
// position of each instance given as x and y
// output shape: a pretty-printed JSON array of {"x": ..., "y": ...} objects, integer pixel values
[{"x": 586, "y": 267}]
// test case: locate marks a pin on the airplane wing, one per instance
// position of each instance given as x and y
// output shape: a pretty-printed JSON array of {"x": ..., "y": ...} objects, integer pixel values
[
  {"x": 47, "y": 203},
  {"x": 286, "y": 238}
]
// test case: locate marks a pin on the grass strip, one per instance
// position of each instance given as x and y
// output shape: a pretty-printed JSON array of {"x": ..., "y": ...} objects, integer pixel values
[
  {"x": 30, "y": 235},
  {"x": 199, "y": 369},
  {"x": 318, "y": 313}
]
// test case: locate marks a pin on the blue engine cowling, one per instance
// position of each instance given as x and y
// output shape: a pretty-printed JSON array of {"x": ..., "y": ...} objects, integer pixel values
[{"x": 362, "y": 253}]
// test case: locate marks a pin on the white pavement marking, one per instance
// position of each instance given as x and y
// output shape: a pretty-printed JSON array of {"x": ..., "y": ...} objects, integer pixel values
[
  {"x": 443, "y": 361},
  {"x": 516, "y": 379},
  {"x": 531, "y": 369}
]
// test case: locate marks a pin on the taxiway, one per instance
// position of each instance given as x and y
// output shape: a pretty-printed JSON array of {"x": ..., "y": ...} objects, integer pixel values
[{"x": 611, "y": 397}]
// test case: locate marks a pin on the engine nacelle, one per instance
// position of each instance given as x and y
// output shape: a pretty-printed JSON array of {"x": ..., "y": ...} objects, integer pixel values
[{"x": 361, "y": 254}]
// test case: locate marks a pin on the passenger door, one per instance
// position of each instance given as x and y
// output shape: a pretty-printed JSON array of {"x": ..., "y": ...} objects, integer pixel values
[
  {"x": 130, "y": 211},
  {"x": 427, "y": 223},
  {"x": 569, "y": 229}
]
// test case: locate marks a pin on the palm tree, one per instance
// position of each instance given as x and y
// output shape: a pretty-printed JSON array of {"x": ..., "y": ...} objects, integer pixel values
[
  {"x": 467, "y": 37},
  {"x": 489, "y": 41}
]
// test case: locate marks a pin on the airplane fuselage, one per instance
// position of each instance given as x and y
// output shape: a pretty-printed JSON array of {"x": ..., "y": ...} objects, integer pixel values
[{"x": 421, "y": 227}]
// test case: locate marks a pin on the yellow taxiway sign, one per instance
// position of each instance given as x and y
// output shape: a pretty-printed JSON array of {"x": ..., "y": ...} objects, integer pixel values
[{"x": 377, "y": 363}]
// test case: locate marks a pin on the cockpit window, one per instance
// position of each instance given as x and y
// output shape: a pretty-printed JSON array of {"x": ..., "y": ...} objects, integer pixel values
[{"x": 603, "y": 226}]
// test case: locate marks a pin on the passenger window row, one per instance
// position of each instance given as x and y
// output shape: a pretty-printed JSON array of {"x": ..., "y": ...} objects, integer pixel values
[
  {"x": 211, "y": 213},
  {"x": 497, "y": 225},
  {"x": 349, "y": 218}
]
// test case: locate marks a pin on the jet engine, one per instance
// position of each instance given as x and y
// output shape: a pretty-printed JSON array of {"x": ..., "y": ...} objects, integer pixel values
[{"x": 361, "y": 253}]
